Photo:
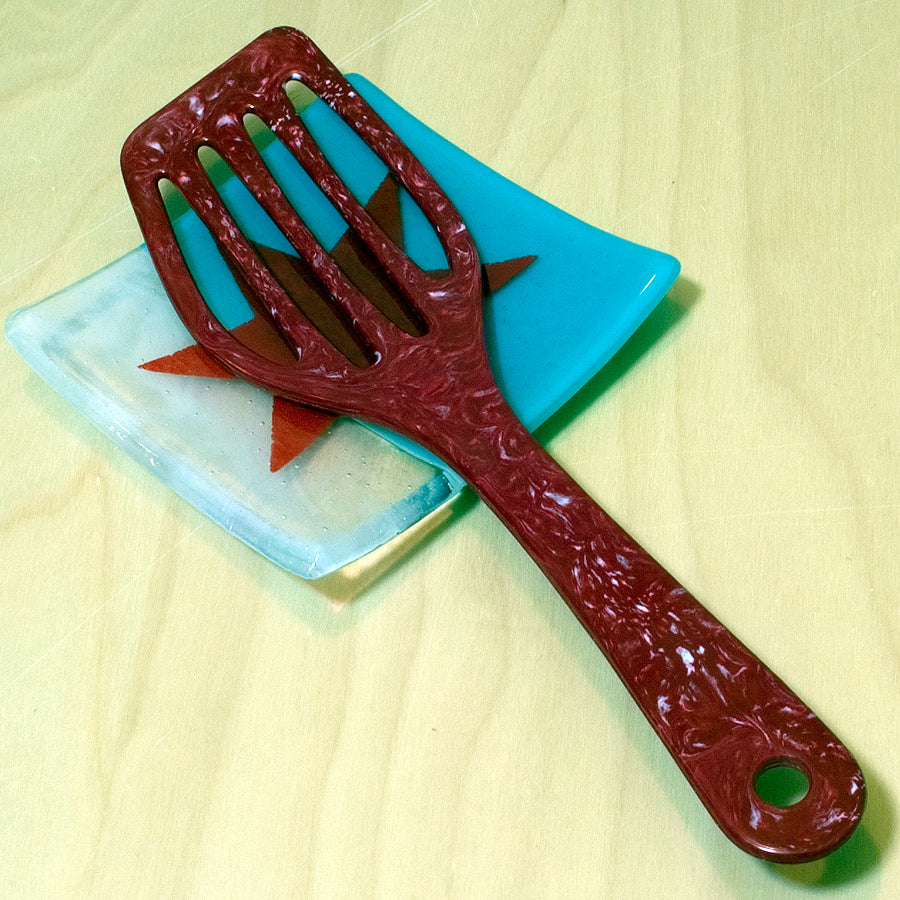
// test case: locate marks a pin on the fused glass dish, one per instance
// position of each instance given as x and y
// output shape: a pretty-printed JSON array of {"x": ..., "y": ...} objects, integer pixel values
[{"x": 310, "y": 492}]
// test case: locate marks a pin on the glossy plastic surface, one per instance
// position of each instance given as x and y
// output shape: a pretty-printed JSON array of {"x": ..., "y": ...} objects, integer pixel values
[{"x": 724, "y": 717}]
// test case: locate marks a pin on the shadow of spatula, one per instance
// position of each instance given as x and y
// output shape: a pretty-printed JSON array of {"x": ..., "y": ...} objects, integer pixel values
[{"x": 725, "y": 718}]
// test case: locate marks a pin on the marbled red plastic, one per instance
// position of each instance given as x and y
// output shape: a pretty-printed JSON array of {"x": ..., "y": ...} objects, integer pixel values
[{"x": 721, "y": 713}]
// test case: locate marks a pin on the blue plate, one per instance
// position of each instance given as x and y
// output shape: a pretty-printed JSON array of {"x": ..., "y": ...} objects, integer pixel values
[{"x": 549, "y": 330}]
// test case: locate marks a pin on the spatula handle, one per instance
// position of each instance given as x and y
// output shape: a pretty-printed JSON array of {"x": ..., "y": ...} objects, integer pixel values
[{"x": 722, "y": 714}]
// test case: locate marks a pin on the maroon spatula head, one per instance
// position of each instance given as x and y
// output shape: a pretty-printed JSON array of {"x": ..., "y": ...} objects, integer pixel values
[
  {"x": 726, "y": 719},
  {"x": 212, "y": 114}
]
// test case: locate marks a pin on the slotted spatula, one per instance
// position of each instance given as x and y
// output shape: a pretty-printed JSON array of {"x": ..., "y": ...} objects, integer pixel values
[{"x": 725, "y": 718}]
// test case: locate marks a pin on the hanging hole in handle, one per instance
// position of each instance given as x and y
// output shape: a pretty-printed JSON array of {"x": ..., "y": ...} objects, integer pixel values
[{"x": 782, "y": 783}]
